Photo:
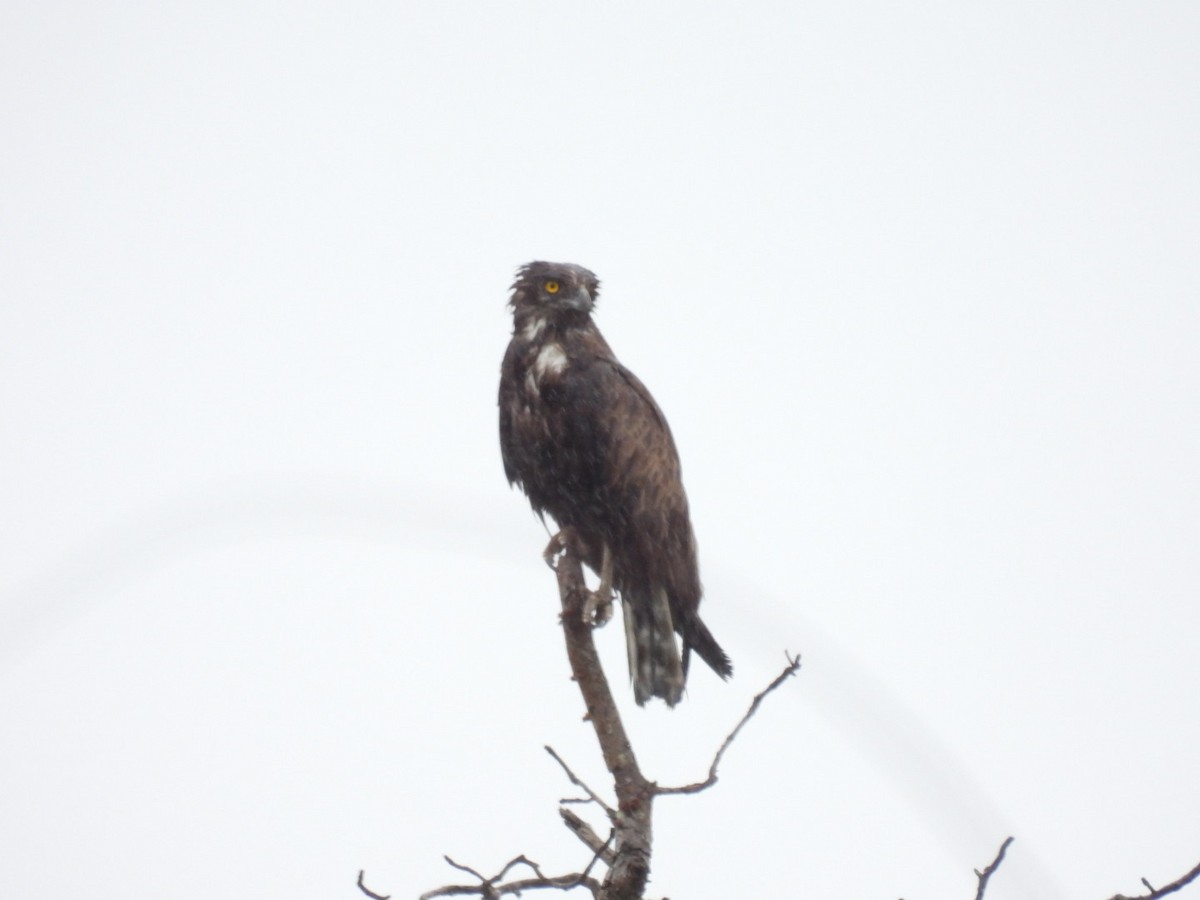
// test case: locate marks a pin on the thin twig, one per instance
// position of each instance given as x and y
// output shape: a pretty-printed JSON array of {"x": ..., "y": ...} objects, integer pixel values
[
  {"x": 788, "y": 671},
  {"x": 521, "y": 860},
  {"x": 603, "y": 853},
  {"x": 370, "y": 893},
  {"x": 490, "y": 889},
  {"x": 557, "y": 883},
  {"x": 578, "y": 782},
  {"x": 987, "y": 873},
  {"x": 463, "y": 868},
  {"x": 1171, "y": 888}
]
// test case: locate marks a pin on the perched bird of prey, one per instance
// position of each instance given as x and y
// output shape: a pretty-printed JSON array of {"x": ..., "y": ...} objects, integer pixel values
[{"x": 586, "y": 442}]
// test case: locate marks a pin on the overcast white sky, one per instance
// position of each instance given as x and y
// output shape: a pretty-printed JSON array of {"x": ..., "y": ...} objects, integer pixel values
[{"x": 916, "y": 285}]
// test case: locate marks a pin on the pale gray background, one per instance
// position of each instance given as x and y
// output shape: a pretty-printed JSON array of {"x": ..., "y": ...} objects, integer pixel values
[{"x": 915, "y": 283}]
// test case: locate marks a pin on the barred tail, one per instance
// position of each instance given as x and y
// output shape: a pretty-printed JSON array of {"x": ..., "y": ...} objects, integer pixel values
[{"x": 655, "y": 667}]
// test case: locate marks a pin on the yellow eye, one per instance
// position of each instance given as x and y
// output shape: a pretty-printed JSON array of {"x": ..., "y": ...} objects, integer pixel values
[{"x": 552, "y": 287}]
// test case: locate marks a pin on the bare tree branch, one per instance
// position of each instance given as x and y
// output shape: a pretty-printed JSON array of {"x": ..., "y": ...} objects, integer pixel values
[
  {"x": 630, "y": 869},
  {"x": 582, "y": 830},
  {"x": 493, "y": 891},
  {"x": 1171, "y": 888},
  {"x": 603, "y": 852},
  {"x": 1153, "y": 894},
  {"x": 626, "y": 852},
  {"x": 987, "y": 872},
  {"x": 370, "y": 893},
  {"x": 575, "y": 780},
  {"x": 471, "y": 871},
  {"x": 789, "y": 670},
  {"x": 495, "y": 887}
]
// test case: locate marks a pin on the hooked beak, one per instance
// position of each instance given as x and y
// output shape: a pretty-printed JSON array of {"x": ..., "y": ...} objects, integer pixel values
[{"x": 580, "y": 300}]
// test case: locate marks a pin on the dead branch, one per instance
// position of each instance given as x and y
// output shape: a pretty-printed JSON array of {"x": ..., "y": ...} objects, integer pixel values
[
  {"x": 592, "y": 796},
  {"x": 991, "y": 867},
  {"x": 630, "y": 868},
  {"x": 366, "y": 890},
  {"x": 582, "y": 830},
  {"x": 1171, "y": 888},
  {"x": 493, "y": 891},
  {"x": 471, "y": 871},
  {"x": 1153, "y": 894},
  {"x": 626, "y": 852},
  {"x": 789, "y": 670},
  {"x": 495, "y": 887}
]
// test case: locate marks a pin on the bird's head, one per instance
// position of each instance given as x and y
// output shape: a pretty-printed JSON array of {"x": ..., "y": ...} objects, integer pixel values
[{"x": 555, "y": 292}]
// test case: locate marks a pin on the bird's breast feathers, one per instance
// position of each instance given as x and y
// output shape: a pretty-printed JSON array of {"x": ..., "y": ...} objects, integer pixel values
[
  {"x": 551, "y": 360},
  {"x": 543, "y": 363}
]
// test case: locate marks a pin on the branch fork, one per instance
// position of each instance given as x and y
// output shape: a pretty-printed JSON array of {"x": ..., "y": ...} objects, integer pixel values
[{"x": 626, "y": 851}]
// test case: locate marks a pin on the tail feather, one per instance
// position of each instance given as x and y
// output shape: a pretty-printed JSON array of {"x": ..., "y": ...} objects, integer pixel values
[
  {"x": 696, "y": 636},
  {"x": 655, "y": 667}
]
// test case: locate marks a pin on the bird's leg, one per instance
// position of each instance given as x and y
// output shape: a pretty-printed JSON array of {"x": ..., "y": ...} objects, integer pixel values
[
  {"x": 598, "y": 604},
  {"x": 557, "y": 546},
  {"x": 598, "y": 607}
]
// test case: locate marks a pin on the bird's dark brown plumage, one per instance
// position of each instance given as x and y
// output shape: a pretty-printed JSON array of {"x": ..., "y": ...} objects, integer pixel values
[{"x": 586, "y": 442}]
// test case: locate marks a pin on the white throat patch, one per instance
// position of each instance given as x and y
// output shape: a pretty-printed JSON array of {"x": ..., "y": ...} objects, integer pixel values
[{"x": 550, "y": 359}]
